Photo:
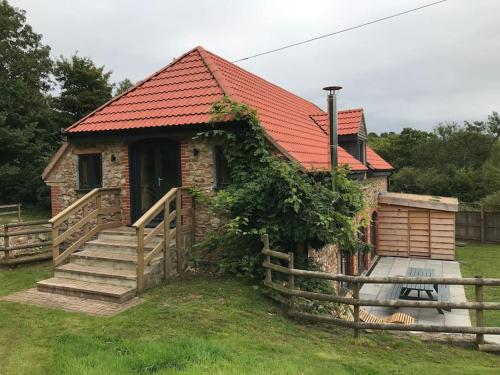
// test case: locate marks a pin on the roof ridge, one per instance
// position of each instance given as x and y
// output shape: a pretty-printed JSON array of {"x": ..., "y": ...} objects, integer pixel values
[
  {"x": 221, "y": 82},
  {"x": 131, "y": 88}
]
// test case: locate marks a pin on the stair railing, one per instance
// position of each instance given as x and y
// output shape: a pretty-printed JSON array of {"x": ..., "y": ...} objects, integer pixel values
[
  {"x": 163, "y": 205},
  {"x": 84, "y": 219}
]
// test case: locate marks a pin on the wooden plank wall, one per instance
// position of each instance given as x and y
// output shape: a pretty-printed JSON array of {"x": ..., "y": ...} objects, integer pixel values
[
  {"x": 442, "y": 235},
  {"x": 392, "y": 231},
  {"x": 415, "y": 232},
  {"x": 420, "y": 242}
]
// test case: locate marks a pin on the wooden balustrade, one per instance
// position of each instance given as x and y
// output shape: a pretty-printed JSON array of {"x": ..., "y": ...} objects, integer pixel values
[
  {"x": 286, "y": 295},
  {"x": 163, "y": 227},
  {"x": 89, "y": 212}
]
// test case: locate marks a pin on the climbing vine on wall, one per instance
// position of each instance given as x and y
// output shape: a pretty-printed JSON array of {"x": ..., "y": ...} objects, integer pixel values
[{"x": 271, "y": 195}]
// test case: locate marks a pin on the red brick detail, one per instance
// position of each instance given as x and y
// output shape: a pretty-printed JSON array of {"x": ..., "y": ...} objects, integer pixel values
[
  {"x": 186, "y": 198},
  {"x": 125, "y": 186},
  {"x": 54, "y": 200}
]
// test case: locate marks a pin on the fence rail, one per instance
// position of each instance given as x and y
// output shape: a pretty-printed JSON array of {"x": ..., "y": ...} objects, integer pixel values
[
  {"x": 288, "y": 293},
  {"x": 41, "y": 246},
  {"x": 15, "y": 209}
]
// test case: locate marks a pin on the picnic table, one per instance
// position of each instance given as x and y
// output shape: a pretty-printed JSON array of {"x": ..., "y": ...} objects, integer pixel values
[{"x": 403, "y": 291}]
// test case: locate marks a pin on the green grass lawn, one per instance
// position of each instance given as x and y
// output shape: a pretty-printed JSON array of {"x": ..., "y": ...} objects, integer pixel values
[
  {"x": 27, "y": 214},
  {"x": 479, "y": 259},
  {"x": 206, "y": 325}
]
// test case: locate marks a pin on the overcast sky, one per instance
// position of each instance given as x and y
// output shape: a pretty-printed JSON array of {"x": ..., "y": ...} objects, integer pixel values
[{"x": 438, "y": 64}]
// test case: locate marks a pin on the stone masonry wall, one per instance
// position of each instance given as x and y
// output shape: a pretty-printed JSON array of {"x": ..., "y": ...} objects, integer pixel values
[
  {"x": 198, "y": 171},
  {"x": 329, "y": 256},
  {"x": 63, "y": 179}
]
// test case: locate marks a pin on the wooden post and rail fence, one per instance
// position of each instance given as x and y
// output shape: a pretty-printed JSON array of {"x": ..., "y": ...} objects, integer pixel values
[
  {"x": 288, "y": 293},
  {"x": 11, "y": 209},
  {"x": 40, "y": 247}
]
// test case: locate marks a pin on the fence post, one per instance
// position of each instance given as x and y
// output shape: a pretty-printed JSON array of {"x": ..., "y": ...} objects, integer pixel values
[
  {"x": 178, "y": 230},
  {"x": 482, "y": 222},
  {"x": 140, "y": 259},
  {"x": 6, "y": 244},
  {"x": 98, "y": 207},
  {"x": 355, "y": 295},
  {"x": 265, "y": 239},
  {"x": 291, "y": 280},
  {"x": 166, "y": 240},
  {"x": 55, "y": 248},
  {"x": 479, "y": 312}
]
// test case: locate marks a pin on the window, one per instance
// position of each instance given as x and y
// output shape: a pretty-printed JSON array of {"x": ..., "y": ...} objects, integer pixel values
[
  {"x": 90, "y": 171},
  {"x": 222, "y": 173}
]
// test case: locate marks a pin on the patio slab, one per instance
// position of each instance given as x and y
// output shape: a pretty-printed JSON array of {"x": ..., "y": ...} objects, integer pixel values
[
  {"x": 393, "y": 266},
  {"x": 69, "y": 303}
]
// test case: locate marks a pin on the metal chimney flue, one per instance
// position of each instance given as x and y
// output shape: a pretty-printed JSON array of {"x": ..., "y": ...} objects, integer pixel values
[{"x": 332, "y": 121}]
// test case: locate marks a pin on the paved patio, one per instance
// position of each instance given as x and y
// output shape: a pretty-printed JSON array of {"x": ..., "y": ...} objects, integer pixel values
[
  {"x": 69, "y": 303},
  {"x": 393, "y": 266}
]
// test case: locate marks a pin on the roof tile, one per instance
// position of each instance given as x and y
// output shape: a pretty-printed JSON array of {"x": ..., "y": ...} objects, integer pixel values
[{"x": 184, "y": 91}]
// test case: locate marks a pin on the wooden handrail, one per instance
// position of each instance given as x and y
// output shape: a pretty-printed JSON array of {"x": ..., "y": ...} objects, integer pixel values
[
  {"x": 163, "y": 205},
  {"x": 155, "y": 210},
  {"x": 77, "y": 204},
  {"x": 84, "y": 223}
]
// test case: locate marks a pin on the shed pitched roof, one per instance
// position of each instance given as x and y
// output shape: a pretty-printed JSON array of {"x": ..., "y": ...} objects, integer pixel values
[{"x": 183, "y": 92}]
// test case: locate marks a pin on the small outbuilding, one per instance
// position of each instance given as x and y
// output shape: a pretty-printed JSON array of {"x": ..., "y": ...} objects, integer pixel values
[{"x": 410, "y": 225}]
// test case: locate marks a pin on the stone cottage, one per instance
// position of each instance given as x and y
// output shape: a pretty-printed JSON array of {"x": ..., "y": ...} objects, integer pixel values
[{"x": 142, "y": 142}]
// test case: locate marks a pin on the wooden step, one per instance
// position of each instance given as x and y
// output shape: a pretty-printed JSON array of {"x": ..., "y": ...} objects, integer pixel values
[
  {"x": 110, "y": 259},
  {"x": 105, "y": 259},
  {"x": 96, "y": 274},
  {"x": 83, "y": 289}
]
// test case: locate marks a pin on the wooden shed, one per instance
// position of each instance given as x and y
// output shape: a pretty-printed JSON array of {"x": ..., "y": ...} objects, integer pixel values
[{"x": 410, "y": 225}]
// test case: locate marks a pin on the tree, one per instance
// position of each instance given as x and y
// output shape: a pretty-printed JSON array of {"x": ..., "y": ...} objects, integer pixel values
[
  {"x": 28, "y": 134},
  {"x": 123, "y": 86},
  {"x": 84, "y": 87}
]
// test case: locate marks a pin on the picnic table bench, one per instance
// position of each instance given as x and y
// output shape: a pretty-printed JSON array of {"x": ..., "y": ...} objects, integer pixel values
[{"x": 402, "y": 291}]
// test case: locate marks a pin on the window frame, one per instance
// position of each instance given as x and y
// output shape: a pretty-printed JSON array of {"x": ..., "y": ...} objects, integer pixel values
[
  {"x": 218, "y": 154},
  {"x": 95, "y": 177}
]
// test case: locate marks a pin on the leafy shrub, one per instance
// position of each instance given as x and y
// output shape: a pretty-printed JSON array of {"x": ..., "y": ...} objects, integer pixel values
[{"x": 274, "y": 196}]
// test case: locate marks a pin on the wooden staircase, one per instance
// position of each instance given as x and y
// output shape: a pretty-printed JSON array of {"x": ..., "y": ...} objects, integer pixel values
[
  {"x": 105, "y": 261},
  {"x": 106, "y": 268}
]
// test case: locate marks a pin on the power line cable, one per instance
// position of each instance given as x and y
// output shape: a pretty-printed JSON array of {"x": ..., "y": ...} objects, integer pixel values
[{"x": 341, "y": 31}]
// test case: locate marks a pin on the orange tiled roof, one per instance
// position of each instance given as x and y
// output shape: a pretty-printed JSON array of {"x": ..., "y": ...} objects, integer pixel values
[
  {"x": 349, "y": 121},
  {"x": 375, "y": 161},
  {"x": 183, "y": 92}
]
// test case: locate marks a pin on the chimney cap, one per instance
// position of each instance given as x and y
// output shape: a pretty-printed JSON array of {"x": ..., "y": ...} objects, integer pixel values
[{"x": 332, "y": 89}]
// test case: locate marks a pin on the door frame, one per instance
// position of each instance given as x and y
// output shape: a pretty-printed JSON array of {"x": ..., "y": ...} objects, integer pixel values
[{"x": 134, "y": 171}]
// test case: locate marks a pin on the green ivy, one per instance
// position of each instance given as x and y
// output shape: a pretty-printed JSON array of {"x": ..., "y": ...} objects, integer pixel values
[{"x": 274, "y": 196}]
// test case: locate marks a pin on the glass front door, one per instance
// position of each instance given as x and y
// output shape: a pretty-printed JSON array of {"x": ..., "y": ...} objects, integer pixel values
[{"x": 155, "y": 169}]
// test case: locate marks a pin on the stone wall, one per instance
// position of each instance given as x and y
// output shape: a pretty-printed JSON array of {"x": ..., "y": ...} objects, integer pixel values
[
  {"x": 63, "y": 178},
  {"x": 329, "y": 256},
  {"x": 198, "y": 170}
]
